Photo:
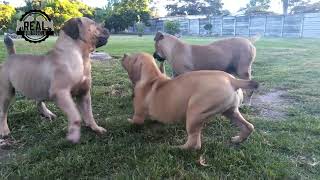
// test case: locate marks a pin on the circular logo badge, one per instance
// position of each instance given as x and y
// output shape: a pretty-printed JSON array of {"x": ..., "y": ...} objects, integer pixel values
[{"x": 35, "y": 26}]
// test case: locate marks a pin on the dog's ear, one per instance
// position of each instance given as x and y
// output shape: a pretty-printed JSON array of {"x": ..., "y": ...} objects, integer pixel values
[
  {"x": 158, "y": 36},
  {"x": 136, "y": 68},
  {"x": 71, "y": 27}
]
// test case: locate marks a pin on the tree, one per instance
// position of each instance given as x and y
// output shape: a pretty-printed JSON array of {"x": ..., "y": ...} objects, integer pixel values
[
  {"x": 126, "y": 13},
  {"x": 306, "y": 8},
  {"x": 100, "y": 14},
  {"x": 6, "y": 14},
  {"x": 195, "y": 7},
  {"x": 172, "y": 27},
  {"x": 299, "y": 6},
  {"x": 62, "y": 10},
  {"x": 255, "y": 7},
  {"x": 285, "y": 5},
  {"x": 289, "y": 4}
]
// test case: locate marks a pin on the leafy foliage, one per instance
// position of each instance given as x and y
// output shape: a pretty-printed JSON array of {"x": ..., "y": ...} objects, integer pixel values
[
  {"x": 195, "y": 7},
  {"x": 305, "y": 7},
  {"x": 257, "y": 7},
  {"x": 62, "y": 10},
  {"x": 140, "y": 28},
  {"x": 172, "y": 27},
  {"x": 126, "y": 12},
  {"x": 6, "y": 14}
]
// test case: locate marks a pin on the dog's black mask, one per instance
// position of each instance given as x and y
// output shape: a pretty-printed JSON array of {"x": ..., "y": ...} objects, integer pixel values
[
  {"x": 102, "y": 40},
  {"x": 158, "y": 58}
]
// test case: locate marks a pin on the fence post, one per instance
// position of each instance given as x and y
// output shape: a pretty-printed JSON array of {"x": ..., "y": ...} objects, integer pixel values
[
  {"x": 249, "y": 25},
  {"x": 221, "y": 27},
  {"x": 282, "y": 25},
  {"x": 265, "y": 26},
  {"x": 234, "y": 26},
  {"x": 163, "y": 22},
  {"x": 189, "y": 27},
  {"x": 302, "y": 26},
  {"x": 209, "y": 23},
  {"x": 199, "y": 25},
  {"x": 213, "y": 24}
]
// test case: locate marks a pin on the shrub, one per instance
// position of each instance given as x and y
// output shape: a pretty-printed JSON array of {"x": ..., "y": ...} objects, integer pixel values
[
  {"x": 172, "y": 27},
  {"x": 208, "y": 28},
  {"x": 140, "y": 28}
]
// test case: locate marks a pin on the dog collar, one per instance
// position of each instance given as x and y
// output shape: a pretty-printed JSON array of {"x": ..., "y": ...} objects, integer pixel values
[{"x": 158, "y": 58}]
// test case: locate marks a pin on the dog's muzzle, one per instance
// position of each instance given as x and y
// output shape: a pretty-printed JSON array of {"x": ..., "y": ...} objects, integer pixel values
[
  {"x": 102, "y": 40},
  {"x": 158, "y": 58}
]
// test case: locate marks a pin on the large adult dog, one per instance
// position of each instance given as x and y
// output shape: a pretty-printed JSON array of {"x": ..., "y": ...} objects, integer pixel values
[
  {"x": 234, "y": 55},
  {"x": 193, "y": 97},
  {"x": 63, "y": 72}
]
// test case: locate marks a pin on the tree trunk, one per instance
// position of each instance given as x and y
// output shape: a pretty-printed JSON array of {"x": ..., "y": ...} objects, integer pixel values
[{"x": 285, "y": 4}]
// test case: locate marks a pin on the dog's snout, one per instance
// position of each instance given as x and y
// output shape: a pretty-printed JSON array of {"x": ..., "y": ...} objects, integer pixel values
[
  {"x": 158, "y": 57},
  {"x": 105, "y": 32}
]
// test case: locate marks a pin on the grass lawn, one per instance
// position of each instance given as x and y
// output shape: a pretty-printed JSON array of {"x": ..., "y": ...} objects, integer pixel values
[{"x": 286, "y": 115}]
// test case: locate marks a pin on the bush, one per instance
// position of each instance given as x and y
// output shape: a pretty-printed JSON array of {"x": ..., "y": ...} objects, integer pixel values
[
  {"x": 208, "y": 28},
  {"x": 140, "y": 28},
  {"x": 172, "y": 27}
]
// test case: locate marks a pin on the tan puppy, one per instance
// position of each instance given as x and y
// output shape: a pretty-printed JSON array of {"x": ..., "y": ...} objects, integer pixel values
[
  {"x": 63, "y": 72},
  {"x": 233, "y": 55},
  {"x": 193, "y": 97}
]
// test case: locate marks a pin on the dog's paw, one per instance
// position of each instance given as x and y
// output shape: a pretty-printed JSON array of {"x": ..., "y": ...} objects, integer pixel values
[
  {"x": 130, "y": 121},
  {"x": 4, "y": 132},
  {"x": 100, "y": 130},
  {"x": 74, "y": 136},
  {"x": 48, "y": 116},
  {"x": 236, "y": 139}
]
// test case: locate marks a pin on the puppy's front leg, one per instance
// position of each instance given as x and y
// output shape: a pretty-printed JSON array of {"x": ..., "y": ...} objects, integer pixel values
[
  {"x": 65, "y": 102},
  {"x": 84, "y": 104},
  {"x": 139, "y": 111},
  {"x": 162, "y": 68}
]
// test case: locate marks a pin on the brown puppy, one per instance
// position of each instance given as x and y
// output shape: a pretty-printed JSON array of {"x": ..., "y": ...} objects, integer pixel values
[
  {"x": 193, "y": 97},
  {"x": 233, "y": 55},
  {"x": 63, "y": 72}
]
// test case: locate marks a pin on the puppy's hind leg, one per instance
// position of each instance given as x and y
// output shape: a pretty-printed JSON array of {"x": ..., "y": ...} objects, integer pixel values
[
  {"x": 194, "y": 125},
  {"x": 44, "y": 111},
  {"x": 6, "y": 94},
  {"x": 246, "y": 128}
]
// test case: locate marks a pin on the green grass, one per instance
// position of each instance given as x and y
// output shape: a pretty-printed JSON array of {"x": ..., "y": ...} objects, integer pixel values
[{"x": 287, "y": 148}]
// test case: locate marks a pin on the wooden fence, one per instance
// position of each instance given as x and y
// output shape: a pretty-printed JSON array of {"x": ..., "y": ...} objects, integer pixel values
[{"x": 302, "y": 25}]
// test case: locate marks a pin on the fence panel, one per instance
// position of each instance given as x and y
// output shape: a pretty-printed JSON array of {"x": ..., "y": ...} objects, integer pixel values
[
  {"x": 242, "y": 26},
  {"x": 273, "y": 26},
  {"x": 194, "y": 27},
  {"x": 302, "y": 25},
  {"x": 257, "y": 25},
  {"x": 216, "y": 25},
  {"x": 184, "y": 26},
  {"x": 228, "y": 26},
  {"x": 311, "y": 25}
]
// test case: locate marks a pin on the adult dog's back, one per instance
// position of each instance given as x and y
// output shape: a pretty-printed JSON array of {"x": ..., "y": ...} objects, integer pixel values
[{"x": 232, "y": 55}]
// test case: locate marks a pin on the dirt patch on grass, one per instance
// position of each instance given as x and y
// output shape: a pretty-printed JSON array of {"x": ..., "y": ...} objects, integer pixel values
[
  {"x": 272, "y": 105},
  {"x": 116, "y": 90},
  {"x": 5, "y": 145}
]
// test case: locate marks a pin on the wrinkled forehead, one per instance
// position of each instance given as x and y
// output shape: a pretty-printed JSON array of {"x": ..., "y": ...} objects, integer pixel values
[
  {"x": 88, "y": 22},
  {"x": 159, "y": 36}
]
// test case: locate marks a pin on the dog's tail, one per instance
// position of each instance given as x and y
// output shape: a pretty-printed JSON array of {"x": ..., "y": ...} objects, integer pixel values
[
  {"x": 254, "y": 38},
  {"x": 9, "y": 44},
  {"x": 244, "y": 84}
]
